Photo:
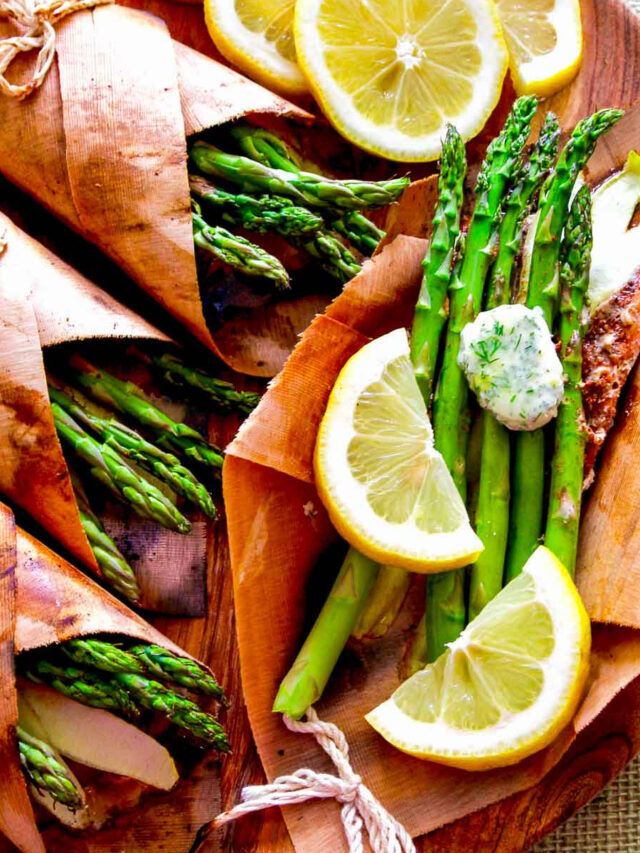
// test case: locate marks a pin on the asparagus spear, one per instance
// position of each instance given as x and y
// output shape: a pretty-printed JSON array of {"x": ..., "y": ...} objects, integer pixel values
[
  {"x": 47, "y": 771},
  {"x": 360, "y": 231},
  {"x": 107, "y": 466},
  {"x": 237, "y": 251},
  {"x": 263, "y": 214},
  {"x": 222, "y": 395},
  {"x": 305, "y": 188},
  {"x": 177, "y": 709},
  {"x": 430, "y": 315},
  {"x": 126, "y": 694},
  {"x": 446, "y": 609},
  {"x": 128, "y": 399},
  {"x": 492, "y": 514},
  {"x": 567, "y": 465},
  {"x": 131, "y": 445},
  {"x": 83, "y": 686},
  {"x": 528, "y": 480},
  {"x": 305, "y": 682},
  {"x": 142, "y": 659},
  {"x": 267, "y": 148},
  {"x": 112, "y": 563},
  {"x": 383, "y": 603},
  {"x": 333, "y": 256}
]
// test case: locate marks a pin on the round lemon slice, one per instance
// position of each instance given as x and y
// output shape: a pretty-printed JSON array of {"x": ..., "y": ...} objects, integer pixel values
[
  {"x": 544, "y": 38},
  {"x": 387, "y": 490},
  {"x": 507, "y": 686},
  {"x": 257, "y": 36},
  {"x": 391, "y": 75}
]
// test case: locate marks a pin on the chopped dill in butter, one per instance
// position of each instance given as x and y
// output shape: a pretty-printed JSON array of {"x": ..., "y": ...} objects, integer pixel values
[{"x": 511, "y": 364}]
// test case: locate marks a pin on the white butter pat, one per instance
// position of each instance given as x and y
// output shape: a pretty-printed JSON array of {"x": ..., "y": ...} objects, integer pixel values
[{"x": 511, "y": 364}]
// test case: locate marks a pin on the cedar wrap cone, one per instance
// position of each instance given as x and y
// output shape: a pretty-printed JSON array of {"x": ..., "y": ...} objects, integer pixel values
[
  {"x": 44, "y": 302},
  {"x": 102, "y": 144},
  {"x": 279, "y": 532},
  {"x": 44, "y": 600}
]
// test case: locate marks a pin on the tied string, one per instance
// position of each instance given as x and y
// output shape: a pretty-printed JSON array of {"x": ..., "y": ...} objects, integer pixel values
[
  {"x": 37, "y": 22},
  {"x": 359, "y": 807}
]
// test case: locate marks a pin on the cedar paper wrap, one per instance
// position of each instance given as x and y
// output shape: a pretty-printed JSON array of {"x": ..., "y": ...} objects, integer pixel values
[
  {"x": 279, "y": 533},
  {"x": 44, "y": 302},
  {"x": 102, "y": 144},
  {"x": 44, "y": 600}
]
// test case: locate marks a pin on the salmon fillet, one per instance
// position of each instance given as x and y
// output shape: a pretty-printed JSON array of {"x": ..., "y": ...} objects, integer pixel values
[{"x": 611, "y": 347}]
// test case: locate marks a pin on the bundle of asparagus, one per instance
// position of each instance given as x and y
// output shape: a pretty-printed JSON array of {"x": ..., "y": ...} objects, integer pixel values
[
  {"x": 483, "y": 276},
  {"x": 152, "y": 225},
  {"x": 274, "y": 195},
  {"x": 85, "y": 680},
  {"x": 111, "y": 431}
]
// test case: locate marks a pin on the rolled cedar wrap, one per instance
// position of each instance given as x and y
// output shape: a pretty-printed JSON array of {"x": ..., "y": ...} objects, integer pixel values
[
  {"x": 44, "y": 601},
  {"x": 283, "y": 547},
  {"x": 44, "y": 302},
  {"x": 102, "y": 144}
]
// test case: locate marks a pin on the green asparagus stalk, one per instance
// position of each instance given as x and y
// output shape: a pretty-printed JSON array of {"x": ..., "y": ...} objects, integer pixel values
[
  {"x": 131, "y": 445},
  {"x": 128, "y": 399},
  {"x": 126, "y": 693},
  {"x": 565, "y": 495},
  {"x": 446, "y": 611},
  {"x": 222, "y": 395},
  {"x": 109, "y": 468},
  {"x": 177, "y": 709},
  {"x": 332, "y": 255},
  {"x": 528, "y": 481},
  {"x": 114, "y": 567},
  {"x": 46, "y": 770},
  {"x": 383, "y": 603},
  {"x": 527, "y": 183},
  {"x": 85, "y": 687},
  {"x": 492, "y": 513},
  {"x": 305, "y": 188},
  {"x": 142, "y": 659},
  {"x": 305, "y": 682},
  {"x": 237, "y": 252},
  {"x": 267, "y": 148},
  {"x": 430, "y": 315},
  {"x": 360, "y": 231},
  {"x": 264, "y": 214}
]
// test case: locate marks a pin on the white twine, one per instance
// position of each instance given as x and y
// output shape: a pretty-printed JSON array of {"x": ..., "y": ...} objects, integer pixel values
[
  {"x": 359, "y": 807},
  {"x": 37, "y": 21}
]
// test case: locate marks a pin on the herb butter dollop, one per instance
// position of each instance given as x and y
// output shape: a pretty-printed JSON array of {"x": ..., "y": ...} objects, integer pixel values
[{"x": 511, "y": 364}]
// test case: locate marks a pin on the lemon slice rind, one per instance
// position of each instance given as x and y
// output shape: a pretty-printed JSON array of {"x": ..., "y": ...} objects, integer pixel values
[
  {"x": 400, "y": 544},
  {"x": 385, "y": 140},
  {"x": 547, "y": 73},
  {"x": 517, "y": 734},
  {"x": 251, "y": 50}
]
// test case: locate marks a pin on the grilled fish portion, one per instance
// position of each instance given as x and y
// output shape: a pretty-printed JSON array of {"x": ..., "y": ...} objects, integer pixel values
[{"x": 611, "y": 347}]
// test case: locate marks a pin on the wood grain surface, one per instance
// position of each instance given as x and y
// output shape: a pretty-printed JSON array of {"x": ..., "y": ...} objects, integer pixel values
[{"x": 169, "y": 824}]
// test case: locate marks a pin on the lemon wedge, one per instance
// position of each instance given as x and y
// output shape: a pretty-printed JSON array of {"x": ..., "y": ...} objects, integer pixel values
[
  {"x": 507, "y": 686},
  {"x": 387, "y": 490},
  {"x": 390, "y": 75},
  {"x": 257, "y": 36},
  {"x": 544, "y": 38}
]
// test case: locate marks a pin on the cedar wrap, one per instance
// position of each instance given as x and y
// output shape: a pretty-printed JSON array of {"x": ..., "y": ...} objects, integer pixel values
[
  {"x": 279, "y": 533},
  {"x": 44, "y": 600},
  {"x": 102, "y": 144},
  {"x": 44, "y": 302}
]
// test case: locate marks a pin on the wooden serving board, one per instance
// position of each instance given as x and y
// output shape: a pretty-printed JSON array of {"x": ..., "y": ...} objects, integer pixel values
[{"x": 610, "y": 76}]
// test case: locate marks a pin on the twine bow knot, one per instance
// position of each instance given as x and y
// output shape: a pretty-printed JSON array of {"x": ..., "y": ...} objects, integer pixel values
[
  {"x": 360, "y": 808},
  {"x": 37, "y": 23}
]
